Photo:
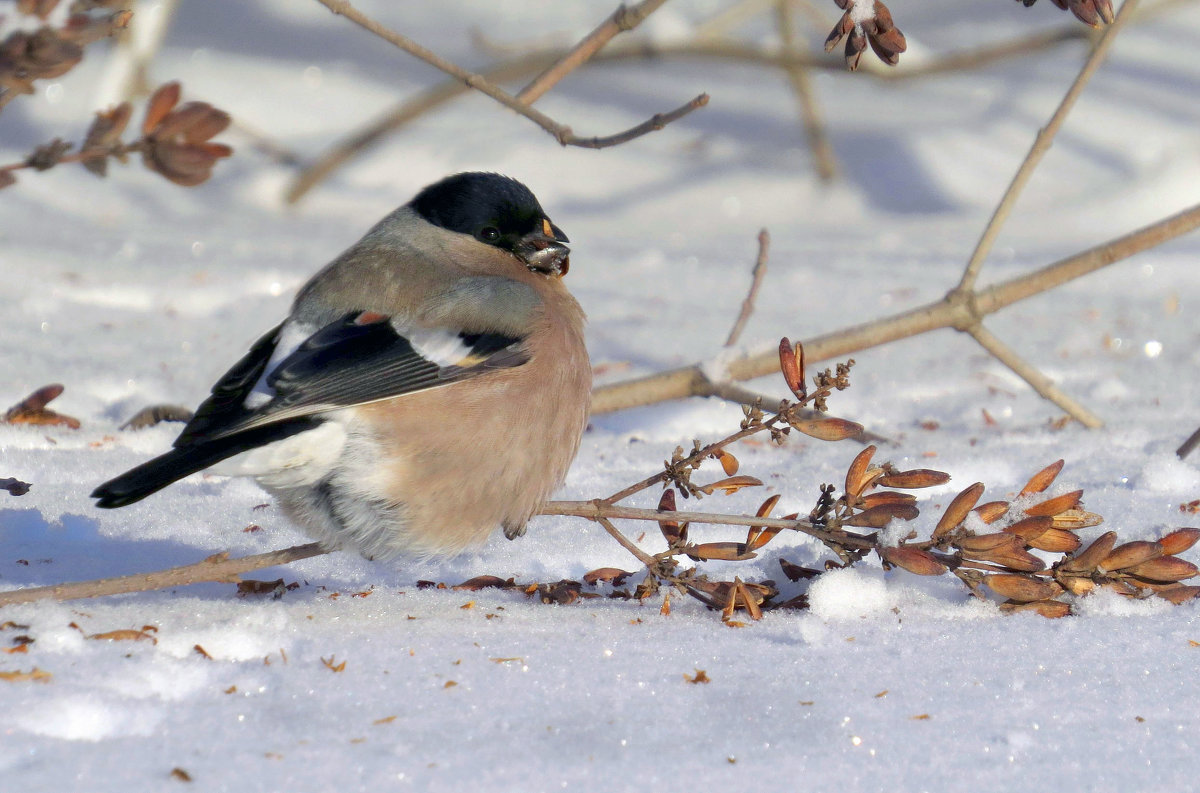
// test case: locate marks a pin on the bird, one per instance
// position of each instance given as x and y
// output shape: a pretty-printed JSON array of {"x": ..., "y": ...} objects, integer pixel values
[{"x": 429, "y": 385}]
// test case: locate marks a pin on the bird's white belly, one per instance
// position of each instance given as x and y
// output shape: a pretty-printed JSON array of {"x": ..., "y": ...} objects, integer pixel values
[{"x": 303, "y": 459}]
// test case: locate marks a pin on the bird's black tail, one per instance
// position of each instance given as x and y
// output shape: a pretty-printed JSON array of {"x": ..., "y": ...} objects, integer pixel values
[{"x": 152, "y": 476}]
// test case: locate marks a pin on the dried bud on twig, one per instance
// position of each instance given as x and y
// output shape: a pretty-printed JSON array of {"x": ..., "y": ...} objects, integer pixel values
[
  {"x": 791, "y": 363},
  {"x": 175, "y": 142},
  {"x": 866, "y": 22},
  {"x": 1091, "y": 12}
]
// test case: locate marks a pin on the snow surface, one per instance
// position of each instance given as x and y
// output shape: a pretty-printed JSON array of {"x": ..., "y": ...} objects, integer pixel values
[{"x": 132, "y": 291}]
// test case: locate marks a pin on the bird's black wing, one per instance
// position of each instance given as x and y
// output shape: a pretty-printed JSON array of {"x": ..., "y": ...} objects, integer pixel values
[
  {"x": 352, "y": 362},
  {"x": 348, "y": 362}
]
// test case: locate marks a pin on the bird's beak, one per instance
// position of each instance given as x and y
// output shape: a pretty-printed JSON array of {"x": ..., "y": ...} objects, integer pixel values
[{"x": 543, "y": 251}]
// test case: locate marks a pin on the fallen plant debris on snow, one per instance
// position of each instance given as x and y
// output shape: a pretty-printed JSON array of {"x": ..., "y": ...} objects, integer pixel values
[{"x": 32, "y": 410}]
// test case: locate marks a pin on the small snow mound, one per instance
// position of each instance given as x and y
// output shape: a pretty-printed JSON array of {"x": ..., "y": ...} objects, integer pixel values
[
  {"x": 1169, "y": 474},
  {"x": 849, "y": 593},
  {"x": 83, "y": 718}
]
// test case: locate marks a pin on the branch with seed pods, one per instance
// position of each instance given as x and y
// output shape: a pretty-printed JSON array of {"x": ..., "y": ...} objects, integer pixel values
[
  {"x": 986, "y": 546},
  {"x": 176, "y": 141}
]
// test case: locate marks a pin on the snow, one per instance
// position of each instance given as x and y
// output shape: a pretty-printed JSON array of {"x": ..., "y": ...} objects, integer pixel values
[{"x": 132, "y": 291}]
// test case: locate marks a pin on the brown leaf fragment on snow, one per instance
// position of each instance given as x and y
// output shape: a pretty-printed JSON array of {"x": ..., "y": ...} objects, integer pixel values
[
  {"x": 485, "y": 582},
  {"x": 124, "y": 635},
  {"x": 795, "y": 572},
  {"x": 34, "y": 675},
  {"x": 700, "y": 677},
  {"x": 15, "y": 487},
  {"x": 332, "y": 666},
  {"x": 32, "y": 409},
  {"x": 156, "y": 414},
  {"x": 251, "y": 586},
  {"x": 609, "y": 575}
]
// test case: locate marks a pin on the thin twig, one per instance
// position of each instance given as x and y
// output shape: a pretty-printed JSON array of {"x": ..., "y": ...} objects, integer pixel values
[
  {"x": 810, "y": 111},
  {"x": 1041, "y": 144},
  {"x": 1191, "y": 443},
  {"x": 400, "y": 115},
  {"x": 561, "y": 132},
  {"x": 738, "y": 394},
  {"x": 953, "y": 311},
  {"x": 1036, "y": 380},
  {"x": 622, "y": 20},
  {"x": 218, "y": 568},
  {"x": 760, "y": 271},
  {"x": 526, "y": 63},
  {"x": 624, "y": 541}
]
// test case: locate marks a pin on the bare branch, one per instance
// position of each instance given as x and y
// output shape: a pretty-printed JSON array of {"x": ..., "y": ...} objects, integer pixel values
[
  {"x": 1191, "y": 443},
  {"x": 561, "y": 132},
  {"x": 218, "y": 568},
  {"x": 1041, "y": 144},
  {"x": 953, "y": 311},
  {"x": 622, "y": 20},
  {"x": 810, "y": 112},
  {"x": 1038, "y": 381},
  {"x": 760, "y": 271}
]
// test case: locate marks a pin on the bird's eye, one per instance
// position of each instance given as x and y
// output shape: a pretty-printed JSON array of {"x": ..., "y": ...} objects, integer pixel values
[{"x": 489, "y": 234}]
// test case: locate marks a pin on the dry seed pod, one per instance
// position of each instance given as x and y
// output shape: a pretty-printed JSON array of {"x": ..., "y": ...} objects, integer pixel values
[
  {"x": 914, "y": 560},
  {"x": 880, "y": 516},
  {"x": 730, "y": 485},
  {"x": 992, "y": 511},
  {"x": 856, "y": 473},
  {"x": 1077, "y": 585},
  {"x": 1091, "y": 557},
  {"x": 1030, "y": 529},
  {"x": 1131, "y": 553},
  {"x": 827, "y": 429},
  {"x": 723, "y": 551},
  {"x": 756, "y": 537},
  {"x": 1042, "y": 479},
  {"x": 982, "y": 543},
  {"x": 1076, "y": 519},
  {"x": 791, "y": 359},
  {"x": 160, "y": 104},
  {"x": 958, "y": 509},
  {"x": 1013, "y": 557},
  {"x": 1021, "y": 588},
  {"x": 672, "y": 530},
  {"x": 1056, "y": 541},
  {"x": 1164, "y": 568},
  {"x": 1179, "y": 594},
  {"x": 1056, "y": 505},
  {"x": 1051, "y": 609},
  {"x": 887, "y": 497},
  {"x": 1179, "y": 541},
  {"x": 916, "y": 478},
  {"x": 729, "y": 463},
  {"x": 749, "y": 600}
]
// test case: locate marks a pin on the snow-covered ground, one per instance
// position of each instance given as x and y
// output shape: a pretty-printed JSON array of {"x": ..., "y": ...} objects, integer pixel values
[{"x": 132, "y": 291}]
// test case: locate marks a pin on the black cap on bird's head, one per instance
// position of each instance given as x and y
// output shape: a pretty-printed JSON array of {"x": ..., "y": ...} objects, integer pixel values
[{"x": 498, "y": 211}]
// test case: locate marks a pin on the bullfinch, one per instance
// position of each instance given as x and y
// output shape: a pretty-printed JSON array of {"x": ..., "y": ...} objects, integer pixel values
[{"x": 430, "y": 384}]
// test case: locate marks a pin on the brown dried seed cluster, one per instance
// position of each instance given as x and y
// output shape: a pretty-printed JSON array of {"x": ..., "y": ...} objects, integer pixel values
[
  {"x": 177, "y": 139},
  {"x": 1092, "y": 12},
  {"x": 860, "y": 29},
  {"x": 46, "y": 53}
]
